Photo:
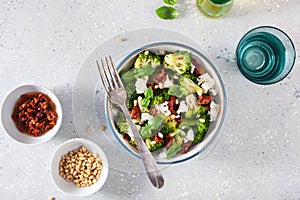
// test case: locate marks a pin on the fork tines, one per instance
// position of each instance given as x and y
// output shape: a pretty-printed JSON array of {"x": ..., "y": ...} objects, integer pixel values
[{"x": 109, "y": 75}]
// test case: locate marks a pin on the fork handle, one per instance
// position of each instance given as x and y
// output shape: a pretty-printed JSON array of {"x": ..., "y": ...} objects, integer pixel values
[{"x": 150, "y": 164}]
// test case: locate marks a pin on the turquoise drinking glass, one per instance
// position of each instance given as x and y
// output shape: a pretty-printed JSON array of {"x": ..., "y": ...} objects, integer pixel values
[{"x": 265, "y": 55}]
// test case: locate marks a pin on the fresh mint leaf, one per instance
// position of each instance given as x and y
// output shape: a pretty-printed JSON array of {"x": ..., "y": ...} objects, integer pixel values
[
  {"x": 170, "y": 2},
  {"x": 167, "y": 12}
]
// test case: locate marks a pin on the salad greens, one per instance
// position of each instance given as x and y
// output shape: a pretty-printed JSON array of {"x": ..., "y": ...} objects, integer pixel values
[{"x": 169, "y": 102}]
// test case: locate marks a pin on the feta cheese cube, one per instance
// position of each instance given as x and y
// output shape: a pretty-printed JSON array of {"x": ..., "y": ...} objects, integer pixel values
[
  {"x": 168, "y": 83},
  {"x": 190, "y": 135},
  {"x": 140, "y": 84},
  {"x": 163, "y": 108},
  {"x": 146, "y": 116},
  {"x": 214, "y": 109},
  {"x": 191, "y": 102},
  {"x": 182, "y": 107}
]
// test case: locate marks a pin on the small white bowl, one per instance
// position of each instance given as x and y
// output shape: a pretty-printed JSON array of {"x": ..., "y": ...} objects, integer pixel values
[
  {"x": 69, "y": 187},
  {"x": 10, "y": 127}
]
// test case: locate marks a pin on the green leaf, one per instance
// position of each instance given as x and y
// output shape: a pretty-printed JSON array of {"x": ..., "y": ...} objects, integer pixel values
[
  {"x": 148, "y": 93},
  {"x": 167, "y": 12},
  {"x": 145, "y": 102},
  {"x": 145, "y": 70},
  {"x": 170, "y": 2},
  {"x": 173, "y": 150},
  {"x": 128, "y": 77},
  {"x": 146, "y": 132},
  {"x": 155, "y": 122},
  {"x": 177, "y": 90}
]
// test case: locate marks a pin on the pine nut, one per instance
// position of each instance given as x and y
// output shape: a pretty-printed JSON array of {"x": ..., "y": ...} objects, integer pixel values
[{"x": 81, "y": 167}]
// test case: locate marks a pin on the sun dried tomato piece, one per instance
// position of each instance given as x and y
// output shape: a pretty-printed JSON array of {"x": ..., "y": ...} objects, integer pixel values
[
  {"x": 135, "y": 112},
  {"x": 204, "y": 99}
]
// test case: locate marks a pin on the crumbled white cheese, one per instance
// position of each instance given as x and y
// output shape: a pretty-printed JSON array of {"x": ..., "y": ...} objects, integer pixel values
[
  {"x": 213, "y": 92},
  {"x": 160, "y": 135},
  {"x": 214, "y": 109},
  {"x": 153, "y": 142},
  {"x": 209, "y": 82},
  {"x": 190, "y": 135},
  {"x": 168, "y": 83},
  {"x": 163, "y": 108},
  {"x": 182, "y": 107},
  {"x": 191, "y": 102},
  {"x": 140, "y": 84},
  {"x": 146, "y": 116}
]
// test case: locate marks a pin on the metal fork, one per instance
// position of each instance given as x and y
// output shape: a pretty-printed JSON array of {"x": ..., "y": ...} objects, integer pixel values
[{"x": 117, "y": 94}]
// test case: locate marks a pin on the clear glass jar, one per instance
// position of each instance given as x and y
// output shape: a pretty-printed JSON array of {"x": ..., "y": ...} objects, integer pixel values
[{"x": 214, "y": 8}]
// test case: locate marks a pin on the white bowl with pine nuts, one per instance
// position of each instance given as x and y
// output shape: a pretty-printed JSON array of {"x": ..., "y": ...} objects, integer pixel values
[{"x": 78, "y": 171}]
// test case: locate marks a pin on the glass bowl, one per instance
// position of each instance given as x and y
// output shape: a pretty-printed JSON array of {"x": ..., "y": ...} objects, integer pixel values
[
  {"x": 265, "y": 55},
  {"x": 220, "y": 98}
]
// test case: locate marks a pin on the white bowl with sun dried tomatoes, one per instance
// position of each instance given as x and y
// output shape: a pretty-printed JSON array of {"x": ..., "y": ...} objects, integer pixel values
[{"x": 31, "y": 114}]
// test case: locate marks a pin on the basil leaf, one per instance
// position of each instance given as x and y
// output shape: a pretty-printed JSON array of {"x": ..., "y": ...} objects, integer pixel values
[
  {"x": 167, "y": 12},
  {"x": 155, "y": 122},
  {"x": 145, "y": 102},
  {"x": 177, "y": 90},
  {"x": 145, "y": 70},
  {"x": 148, "y": 93},
  {"x": 128, "y": 77},
  {"x": 170, "y": 2},
  {"x": 145, "y": 132},
  {"x": 173, "y": 150}
]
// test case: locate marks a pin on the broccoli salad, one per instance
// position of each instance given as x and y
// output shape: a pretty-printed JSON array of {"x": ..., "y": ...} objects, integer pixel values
[{"x": 171, "y": 101}]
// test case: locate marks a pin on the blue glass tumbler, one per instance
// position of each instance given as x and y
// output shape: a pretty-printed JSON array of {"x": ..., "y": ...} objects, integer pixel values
[{"x": 265, "y": 55}]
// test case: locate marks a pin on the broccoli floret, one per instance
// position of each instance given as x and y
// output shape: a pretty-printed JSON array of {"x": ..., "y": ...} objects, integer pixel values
[
  {"x": 147, "y": 58},
  {"x": 179, "y": 61},
  {"x": 131, "y": 98},
  {"x": 202, "y": 128},
  {"x": 160, "y": 95},
  {"x": 168, "y": 128},
  {"x": 190, "y": 86},
  {"x": 200, "y": 111},
  {"x": 121, "y": 123},
  {"x": 153, "y": 145},
  {"x": 132, "y": 142},
  {"x": 191, "y": 76}
]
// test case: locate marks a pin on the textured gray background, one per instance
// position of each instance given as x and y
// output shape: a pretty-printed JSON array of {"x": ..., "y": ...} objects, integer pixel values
[{"x": 256, "y": 155}]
